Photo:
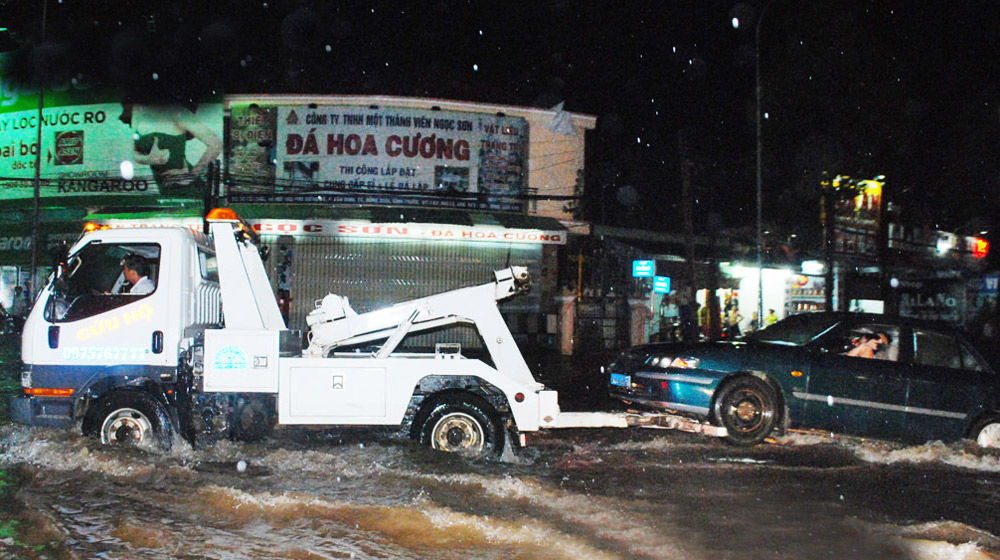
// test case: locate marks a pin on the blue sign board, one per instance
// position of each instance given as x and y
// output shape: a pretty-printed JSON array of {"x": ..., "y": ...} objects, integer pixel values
[
  {"x": 661, "y": 284},
  {"x": 643, "y": 269}
]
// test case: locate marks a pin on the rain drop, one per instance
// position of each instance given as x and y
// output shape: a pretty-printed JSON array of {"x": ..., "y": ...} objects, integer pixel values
[
  {"x": 329, "y": 48},
  {"x": 475, "y": 68},
  {"x": 156, "y": 76},
  {"x": 128, "y": 170}
]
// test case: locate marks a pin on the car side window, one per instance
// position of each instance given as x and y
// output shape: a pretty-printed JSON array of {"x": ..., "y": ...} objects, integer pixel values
[
  {"x": 868, "y": 341},
  {"x": 936, "y": 349}
]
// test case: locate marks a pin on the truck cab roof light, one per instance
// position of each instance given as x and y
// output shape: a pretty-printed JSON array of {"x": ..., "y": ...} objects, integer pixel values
[
  {"x": 222, "y": 215},
  {"x": 243, "y": 229}
]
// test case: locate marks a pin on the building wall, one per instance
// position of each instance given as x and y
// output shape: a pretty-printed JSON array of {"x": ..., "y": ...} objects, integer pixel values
[{"x": 556, "y": 138}]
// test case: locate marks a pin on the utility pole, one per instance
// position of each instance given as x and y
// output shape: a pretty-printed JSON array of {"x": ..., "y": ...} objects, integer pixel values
[
  {"x": 686, "y": 202},
  {"x": 36, "y": 212}
]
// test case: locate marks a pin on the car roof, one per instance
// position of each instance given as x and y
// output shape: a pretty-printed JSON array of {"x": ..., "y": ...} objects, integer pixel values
[{"x": 901, "y": 320}]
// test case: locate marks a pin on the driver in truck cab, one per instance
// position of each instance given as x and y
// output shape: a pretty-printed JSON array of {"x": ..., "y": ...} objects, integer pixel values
[{"x": 136, "y": 271}]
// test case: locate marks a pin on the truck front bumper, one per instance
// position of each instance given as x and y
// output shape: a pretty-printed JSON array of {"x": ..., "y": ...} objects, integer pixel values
[{"x": 51, "y": 412}]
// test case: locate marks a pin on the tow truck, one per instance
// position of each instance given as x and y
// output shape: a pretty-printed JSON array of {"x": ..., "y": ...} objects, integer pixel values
[{"x": 207, "y": 354}]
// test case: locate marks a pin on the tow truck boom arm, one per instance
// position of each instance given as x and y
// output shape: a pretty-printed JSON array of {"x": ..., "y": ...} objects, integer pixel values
[{"x": 335, "y": 324}]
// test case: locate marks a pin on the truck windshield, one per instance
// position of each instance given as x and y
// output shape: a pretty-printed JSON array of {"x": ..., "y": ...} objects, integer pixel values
[{"x": 94, "y": 280}]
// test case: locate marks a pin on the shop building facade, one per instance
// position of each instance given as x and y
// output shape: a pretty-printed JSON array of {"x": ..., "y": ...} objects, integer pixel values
[{"x": 380, "y": 199}]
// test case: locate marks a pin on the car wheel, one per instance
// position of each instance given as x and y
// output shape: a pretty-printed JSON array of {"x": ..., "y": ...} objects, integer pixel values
[
  {"x": 747, "y": 408},
  {"x": 463, "y": 424},
  {"x": 986, "y": 432},
  {"x": 133, "y": 419}
]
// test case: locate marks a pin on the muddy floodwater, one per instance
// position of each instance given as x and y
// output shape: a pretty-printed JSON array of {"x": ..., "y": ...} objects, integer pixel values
[{"x": 578, "y": 494}]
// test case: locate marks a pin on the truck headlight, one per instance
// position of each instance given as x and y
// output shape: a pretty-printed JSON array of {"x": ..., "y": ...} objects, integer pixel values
[{"x": 26, "y": 377}]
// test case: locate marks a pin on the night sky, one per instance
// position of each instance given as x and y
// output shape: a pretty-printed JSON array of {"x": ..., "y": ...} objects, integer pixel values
[{"x": 909, "y": 90}]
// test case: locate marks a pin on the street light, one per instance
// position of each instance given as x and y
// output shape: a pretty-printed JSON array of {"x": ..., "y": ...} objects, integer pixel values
[{"x": 760, "y": 151}]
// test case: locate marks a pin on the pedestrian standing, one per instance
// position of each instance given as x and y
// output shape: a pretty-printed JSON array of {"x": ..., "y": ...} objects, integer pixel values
[
  {"x": 733, "y": 319},
  {"x": 669, "y": 314},
  {"x": 688, "y": 317},
  {"x": 770, "y": 318}
]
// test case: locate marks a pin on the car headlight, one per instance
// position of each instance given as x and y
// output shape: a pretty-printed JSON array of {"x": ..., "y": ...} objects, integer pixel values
[
  {"x": 686, "y": 363},
  {"x": 670, "y": 361}
]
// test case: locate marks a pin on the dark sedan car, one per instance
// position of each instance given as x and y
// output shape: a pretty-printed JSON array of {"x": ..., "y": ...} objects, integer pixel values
[{"x": 858, "y": 374}]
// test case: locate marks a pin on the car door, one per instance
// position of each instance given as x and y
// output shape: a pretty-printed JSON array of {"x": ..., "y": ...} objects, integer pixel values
[
  {"x": 857, "y": 395},
  {"x": 948, "y": 382}
]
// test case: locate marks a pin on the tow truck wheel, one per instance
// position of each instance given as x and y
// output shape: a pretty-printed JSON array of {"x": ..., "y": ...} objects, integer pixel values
[
  {"x": 746, "y": 407},
  {"x": 463, "y": 424},
  {"x": 986, "y": 432},
  {"x": 132, "y": 419}
]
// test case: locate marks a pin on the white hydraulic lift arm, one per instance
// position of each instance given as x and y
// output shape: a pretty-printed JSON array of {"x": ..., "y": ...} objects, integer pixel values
[{"x": 334, "y": 324}]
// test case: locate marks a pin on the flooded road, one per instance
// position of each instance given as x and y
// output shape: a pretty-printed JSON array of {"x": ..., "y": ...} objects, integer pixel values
[{"x": 578, "y": 494}]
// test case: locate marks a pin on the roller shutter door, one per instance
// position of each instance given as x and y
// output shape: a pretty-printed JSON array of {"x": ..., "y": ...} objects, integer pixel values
[{"x": 376, "y": 273}]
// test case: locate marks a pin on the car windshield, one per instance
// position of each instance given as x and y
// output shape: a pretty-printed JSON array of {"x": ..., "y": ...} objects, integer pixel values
[{"x": 796, "y": 330}]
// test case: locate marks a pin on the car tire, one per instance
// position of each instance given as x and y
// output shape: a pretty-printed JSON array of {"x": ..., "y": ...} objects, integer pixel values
[
  {"x": 748, "y": 408},
  {"x": 132, "y": 419},
  {"x": 460, "y": 423},
  {"x": 986, "y": 431}
]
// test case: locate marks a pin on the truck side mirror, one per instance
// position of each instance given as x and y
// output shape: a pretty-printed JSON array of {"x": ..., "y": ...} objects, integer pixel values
[
  {"x": 54, "y": 336},
  {"x": 60, "y": 256}
]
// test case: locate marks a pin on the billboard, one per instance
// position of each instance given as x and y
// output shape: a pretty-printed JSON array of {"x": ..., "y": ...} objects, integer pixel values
[
  {"x": 857, "y": 217},
  {"x": 377, "y": 155},
  {"x": 92, "y": 144}
]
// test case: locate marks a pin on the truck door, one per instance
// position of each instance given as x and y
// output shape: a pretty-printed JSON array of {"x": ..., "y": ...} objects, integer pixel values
[{"x": 107, "y": 309}]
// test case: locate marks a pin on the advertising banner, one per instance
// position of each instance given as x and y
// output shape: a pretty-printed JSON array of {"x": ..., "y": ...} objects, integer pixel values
[
  {"x": 92, "y": 144},
  {"x": 857, "y": 219},
  {"x": 373, "y": 155},
  {"x": 938, "y": 299},
  {"x": 365, "y": 230}
]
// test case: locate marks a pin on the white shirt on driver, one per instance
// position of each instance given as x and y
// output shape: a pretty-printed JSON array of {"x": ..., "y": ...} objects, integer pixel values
[{"x": 142, "y": 286}]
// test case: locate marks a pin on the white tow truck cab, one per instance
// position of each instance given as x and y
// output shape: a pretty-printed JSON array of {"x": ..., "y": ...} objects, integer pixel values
[{"x": 206, "y": 354}]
